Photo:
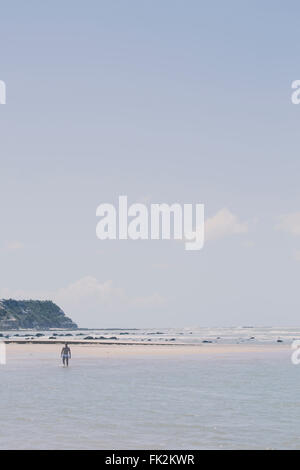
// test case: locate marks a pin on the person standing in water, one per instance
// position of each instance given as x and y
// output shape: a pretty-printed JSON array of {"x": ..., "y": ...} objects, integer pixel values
[{"x": 66, "y": 354}]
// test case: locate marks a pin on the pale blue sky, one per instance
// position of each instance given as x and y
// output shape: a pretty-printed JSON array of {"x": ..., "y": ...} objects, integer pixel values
[{"x": 165, "y": 101}]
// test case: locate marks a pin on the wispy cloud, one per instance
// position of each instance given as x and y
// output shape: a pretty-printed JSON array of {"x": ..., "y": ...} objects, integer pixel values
[
  {"x": 290, "y": 223},
  {"x": 14, "y": 246},
  {"x": 223, "y": 224}
]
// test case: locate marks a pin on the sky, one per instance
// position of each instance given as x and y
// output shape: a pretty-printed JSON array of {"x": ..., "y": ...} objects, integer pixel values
[{"x": 164, "y": 102}]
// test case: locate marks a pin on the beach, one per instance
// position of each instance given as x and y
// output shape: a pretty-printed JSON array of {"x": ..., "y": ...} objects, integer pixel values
[
  {"x": 139, "y": 396},
  {"x": 81, "y": 350}
]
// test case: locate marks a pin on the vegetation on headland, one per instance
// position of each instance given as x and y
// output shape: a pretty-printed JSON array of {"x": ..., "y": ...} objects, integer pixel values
[{"x": 33, "y": 314}]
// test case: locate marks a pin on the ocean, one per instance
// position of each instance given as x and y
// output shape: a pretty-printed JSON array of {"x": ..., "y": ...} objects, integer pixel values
[{"x": 232, "y": 400}]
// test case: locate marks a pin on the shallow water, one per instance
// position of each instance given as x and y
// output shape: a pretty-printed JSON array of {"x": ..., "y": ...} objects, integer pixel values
[
  {"x": 248, "y": 400},
  {"x": 194, "y": 335}
]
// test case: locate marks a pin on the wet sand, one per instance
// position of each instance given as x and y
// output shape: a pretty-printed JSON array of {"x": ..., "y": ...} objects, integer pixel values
[{"x": 138, "y": 349}]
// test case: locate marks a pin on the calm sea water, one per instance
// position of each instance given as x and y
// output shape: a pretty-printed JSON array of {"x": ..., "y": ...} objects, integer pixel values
[{"x": 194, "y": 401}]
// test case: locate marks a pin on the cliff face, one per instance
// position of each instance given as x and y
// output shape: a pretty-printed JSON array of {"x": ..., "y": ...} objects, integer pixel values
[{"x": 38, "y": 314}]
